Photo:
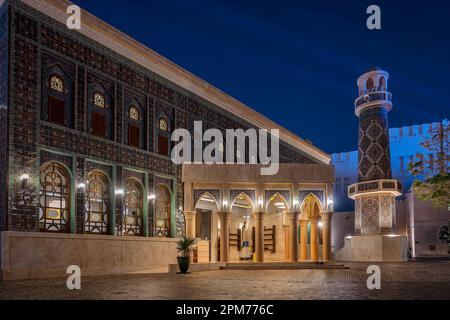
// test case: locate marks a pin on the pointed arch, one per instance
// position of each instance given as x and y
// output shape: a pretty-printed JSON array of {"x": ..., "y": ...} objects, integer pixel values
[
  {"x": 133, "y": 207},
  {"x": 311, "y": 206},
  {"x": 98, "y": 203},
  {"x": 208, "y": 195},
  {"x": 55, "y": 181},
  {"x": 163, "y": 211},
  {"x": 277, "y": 196},
  {"x": 243, "y": 196}
]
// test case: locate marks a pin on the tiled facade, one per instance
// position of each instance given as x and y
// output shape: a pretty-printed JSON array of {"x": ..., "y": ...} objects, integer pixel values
[{"x": 39, "y": 47}]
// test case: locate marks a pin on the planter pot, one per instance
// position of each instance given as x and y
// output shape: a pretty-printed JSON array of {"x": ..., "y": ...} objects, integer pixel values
[{"x": 183, "y": 264}]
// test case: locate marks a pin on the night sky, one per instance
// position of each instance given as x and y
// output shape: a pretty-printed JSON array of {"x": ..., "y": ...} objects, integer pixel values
[{"x": 297, "y": 61}]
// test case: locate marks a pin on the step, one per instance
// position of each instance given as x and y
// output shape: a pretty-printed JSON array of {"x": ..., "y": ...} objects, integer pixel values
[{"x": 282, "y": 266}]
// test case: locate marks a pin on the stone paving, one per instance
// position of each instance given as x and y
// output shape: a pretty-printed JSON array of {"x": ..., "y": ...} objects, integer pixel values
[{"x": 413, "y": 280}]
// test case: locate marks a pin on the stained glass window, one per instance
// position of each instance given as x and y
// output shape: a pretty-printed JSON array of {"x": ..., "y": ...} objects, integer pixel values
[
  {"x": 163, "y": 211},
  {"x": 99, "y": 100},
  {"x": 133, "y": 208},
  {"x": 54, "y": 199},
  {"x": 134, "y": 114},
  {"x": 97, "y": 205},
  {"x": 57, "y": 84},
  {"x": 163, "y": 125}
]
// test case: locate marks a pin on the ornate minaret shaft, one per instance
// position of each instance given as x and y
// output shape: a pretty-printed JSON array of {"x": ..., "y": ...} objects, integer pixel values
[{"x": 375, "y": 192}]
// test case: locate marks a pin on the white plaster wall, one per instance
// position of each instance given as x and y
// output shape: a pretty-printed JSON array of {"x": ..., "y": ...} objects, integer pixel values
[{"x": 43, "y": 255}]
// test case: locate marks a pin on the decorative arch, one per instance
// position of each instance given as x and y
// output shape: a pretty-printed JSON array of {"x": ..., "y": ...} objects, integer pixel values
[
  {"x": 251, "y": 194},
  {"x": 55, "y": 184},
  {"x": 207, "y": 193},
  {"x": 135, "y": 120},
  {"x": 163, "y": 211},
  {"x": 133, "y": 207},
  {"x": 215, "y": 194},
  {"x": 311, "y": 207},
  {"x": 245, "y": 196},
  {"x": 284, "y": 194},
  {"x": 163, "y": 132},
  {"x": 382, "y": 84},
  {"x": 100, "y": 111},
  {"x": 370, "y": 85},
  {"x": 57, "y": 96},
  {"x": 98, "y": 203}
]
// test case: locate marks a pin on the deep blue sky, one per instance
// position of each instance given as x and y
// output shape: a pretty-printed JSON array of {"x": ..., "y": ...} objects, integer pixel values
[{"x": 297, "y": 61}]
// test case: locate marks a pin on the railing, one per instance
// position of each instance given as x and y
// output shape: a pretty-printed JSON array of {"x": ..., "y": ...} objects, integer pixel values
[
  {"x": 373, "y": 96},
  {"x": 375, "y": 186}
]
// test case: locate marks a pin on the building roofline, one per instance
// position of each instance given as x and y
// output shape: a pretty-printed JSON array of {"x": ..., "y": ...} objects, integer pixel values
[{"x": 123, "y": 44}]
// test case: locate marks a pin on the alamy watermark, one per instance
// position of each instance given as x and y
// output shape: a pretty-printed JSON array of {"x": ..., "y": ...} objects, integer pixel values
[
  {"x": 374, "y": 279},
  {"x": 240, "y": 147},
  {"x": 73, "y": 21},
  {"x": 74, "y": 280}
]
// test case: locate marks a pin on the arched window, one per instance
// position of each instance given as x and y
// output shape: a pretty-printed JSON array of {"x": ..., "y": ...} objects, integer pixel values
[
  {"x": 99, "y": 111},
  {"x": 134, "y": 114},
  {"x": 132, "y": 224},
  {"x": 163, "y": 211},
  {"x": 57, "y": 100},
  {"x": 99, "y": 100},
  {"x": 382, "y": 85},
  {"x": 57, "y": 84},
  {"x": 135, "y": 123},
  {"x": 163, "y": 126},
  {"x": 163, "y": 135},
  {"x": 370, "y": 86},
  {"x": 54, "y": 199},
  {"x": 97, "y": 213}
]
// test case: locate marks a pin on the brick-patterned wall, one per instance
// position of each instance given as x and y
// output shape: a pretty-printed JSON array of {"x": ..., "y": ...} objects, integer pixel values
[
  {"x": 40, "y": 42},
  {"x": 3, "y": 113}
]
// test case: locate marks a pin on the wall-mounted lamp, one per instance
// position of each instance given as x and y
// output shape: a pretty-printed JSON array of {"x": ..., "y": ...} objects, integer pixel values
[
  {"x": 24, "y": 177},
  {"x": 119, "y": 192},
  {"x": 295, "y": 204},
  {"x": 320, "y": 224},
  {"x": 81, "y": 185},
  {"x": 330, "y": 204},
  {"x": 260, "y": 203},
  {"x": 151, "y": 197},
  {"x": 225, "y": 204}
]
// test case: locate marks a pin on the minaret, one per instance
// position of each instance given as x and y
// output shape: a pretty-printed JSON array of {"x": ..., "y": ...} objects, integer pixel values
[{"x": 375, "y": 192}]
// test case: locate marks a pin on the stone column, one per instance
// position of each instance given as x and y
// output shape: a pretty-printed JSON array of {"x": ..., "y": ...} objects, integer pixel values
[
  {"x": 326, "y": 235},
  {"x": 287, "y": 244},
  {"x": 259, "y": 235},
  {"x": 314, "y": 239},
  {"x": 189, "y": 217},
  {"x": 303, "y": 240},
  {"x": 224, "y": 235},
  {"x": 293, "y": 223}
]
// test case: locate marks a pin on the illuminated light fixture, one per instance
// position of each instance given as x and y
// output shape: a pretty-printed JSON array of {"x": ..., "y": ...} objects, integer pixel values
[
  {"x": 207, "y": 200},
  {"x": 225, "y": 203},
  {"x": 260, "y": 202},
  {"x": 349, "y": 237},
  {"x": 280, "y": 204},
  {"x": 81, "y": 185},
  {"x": 24, "y": 177},
  {"x": 330, "y": 202},
  {"x": 295, "y": 203},
  {"x": 119, "y": 192},
  {"x": 392, "y": 235},
  {"x": 151, "y": 197},
  {"x": 320, "y": 224}
]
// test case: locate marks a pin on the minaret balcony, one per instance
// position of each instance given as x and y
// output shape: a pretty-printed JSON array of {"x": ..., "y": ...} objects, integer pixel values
[
  {"x": 376, "y": 98},
  {"x": 376, "y": 186}
]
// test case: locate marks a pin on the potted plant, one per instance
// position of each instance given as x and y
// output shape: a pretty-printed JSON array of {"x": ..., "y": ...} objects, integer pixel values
[{"x": 184, "y": 247}]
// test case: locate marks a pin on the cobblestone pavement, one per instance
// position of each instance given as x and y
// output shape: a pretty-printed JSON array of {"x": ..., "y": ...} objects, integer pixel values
[{"x": 413, "y": 280}]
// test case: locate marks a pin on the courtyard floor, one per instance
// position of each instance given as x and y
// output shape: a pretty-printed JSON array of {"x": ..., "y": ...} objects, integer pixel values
[{"x": 413, "y": 280}]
